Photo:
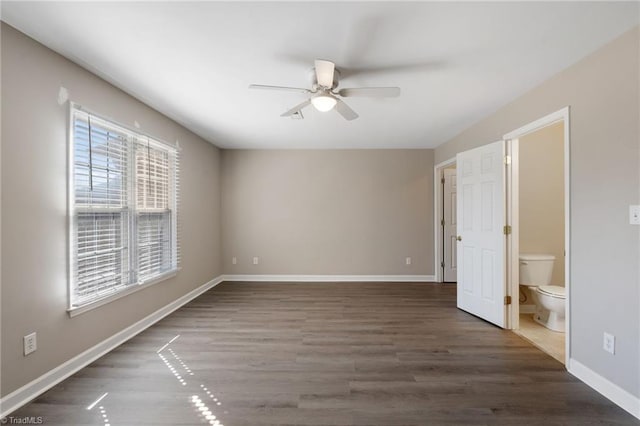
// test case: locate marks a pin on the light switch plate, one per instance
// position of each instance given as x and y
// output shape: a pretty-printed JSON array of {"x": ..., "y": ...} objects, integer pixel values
[{"x": 634, "y": 215}]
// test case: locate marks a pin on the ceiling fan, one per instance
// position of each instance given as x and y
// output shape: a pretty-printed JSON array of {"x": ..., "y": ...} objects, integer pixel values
[{"x": 324, "y": 94}]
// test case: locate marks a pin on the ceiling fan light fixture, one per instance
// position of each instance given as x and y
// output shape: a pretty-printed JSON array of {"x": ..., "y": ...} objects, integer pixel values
[{"x": 324, "y": 102}]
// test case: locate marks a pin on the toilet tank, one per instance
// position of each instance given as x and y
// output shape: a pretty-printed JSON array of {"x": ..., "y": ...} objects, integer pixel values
[{"x": 536, "y": 269}]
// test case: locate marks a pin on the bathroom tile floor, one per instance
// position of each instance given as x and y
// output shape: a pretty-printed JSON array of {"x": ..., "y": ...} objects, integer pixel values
[{"x": 544, "y": 339}]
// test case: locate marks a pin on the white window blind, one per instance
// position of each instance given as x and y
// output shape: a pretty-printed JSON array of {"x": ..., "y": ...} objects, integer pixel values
[
  {"x": 153, "y": 204},
  {"x": 124, "y": 208}
]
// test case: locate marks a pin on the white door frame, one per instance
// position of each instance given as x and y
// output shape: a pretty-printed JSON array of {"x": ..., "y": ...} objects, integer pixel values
[
  {"x": 513, "y": 217},
  {"x": 437, "y": 214},
  {"x": 449, "y": 225}
]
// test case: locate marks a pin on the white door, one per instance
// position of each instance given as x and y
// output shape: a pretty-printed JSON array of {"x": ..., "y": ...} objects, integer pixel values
[
  {"x": 449, "y": 225},
  {"x": 481, "y": 240}
]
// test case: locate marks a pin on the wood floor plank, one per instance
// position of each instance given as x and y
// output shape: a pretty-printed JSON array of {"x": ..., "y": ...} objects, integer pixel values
[{"x": 377, "y": 354}]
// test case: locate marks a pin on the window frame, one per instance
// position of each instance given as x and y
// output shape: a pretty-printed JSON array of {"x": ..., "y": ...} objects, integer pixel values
[{"x": 134, "y": 137}]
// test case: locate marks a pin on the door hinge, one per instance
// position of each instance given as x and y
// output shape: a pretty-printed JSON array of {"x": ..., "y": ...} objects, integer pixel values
[
  {"x": 507, "y": 300},
  {"x": 442, "y": 222},
  {"x": 507, "y": 159},
  {"x": 507, "y": 229},
  {"x": 442, "y": 180},
  {"x": 442, "y": 264}
]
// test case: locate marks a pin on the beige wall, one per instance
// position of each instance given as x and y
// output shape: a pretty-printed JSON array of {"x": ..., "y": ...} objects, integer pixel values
[
  {"x": 541, "y": 178},
  {"x": 34, "y": 210},
  {"x": 308, "y": 212},
  {"x": 602, "y": 91},
  {"x": 331, "y": 212}
]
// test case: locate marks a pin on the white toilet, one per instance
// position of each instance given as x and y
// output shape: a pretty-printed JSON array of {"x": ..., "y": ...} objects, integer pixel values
[{"x": 535, "y": 273}]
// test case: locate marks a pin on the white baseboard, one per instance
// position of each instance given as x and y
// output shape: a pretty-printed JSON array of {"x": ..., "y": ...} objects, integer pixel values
[
  {"x": 31, "y": 390},
  {"x": 613, "y": 392},
  {"x": 330, "y": 278}
]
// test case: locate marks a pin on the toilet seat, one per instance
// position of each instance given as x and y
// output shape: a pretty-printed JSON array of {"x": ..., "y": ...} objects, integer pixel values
[{"x": 553, "y": 290}]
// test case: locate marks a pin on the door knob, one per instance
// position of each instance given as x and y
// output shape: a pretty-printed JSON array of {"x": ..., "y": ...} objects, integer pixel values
[{"x": 459, "y": 238}]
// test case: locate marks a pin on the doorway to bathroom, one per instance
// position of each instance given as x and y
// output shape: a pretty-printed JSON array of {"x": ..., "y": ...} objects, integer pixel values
[{"x": 538, "y": 250}]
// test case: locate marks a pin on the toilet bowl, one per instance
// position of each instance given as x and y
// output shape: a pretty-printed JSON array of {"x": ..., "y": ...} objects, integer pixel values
[
  {"x": 550, "y": 307},
  {"x": 535, "y": 274}
]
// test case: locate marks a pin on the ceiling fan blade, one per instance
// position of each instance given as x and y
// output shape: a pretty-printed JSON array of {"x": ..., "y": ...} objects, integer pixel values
[
  {"x": 345, "y": 111},
  {"x": 324, "y": 72},
  {"x": 288, "y": 89},
  {"x": 371, "y": 92},
  {"x": 296, "y": 108}
]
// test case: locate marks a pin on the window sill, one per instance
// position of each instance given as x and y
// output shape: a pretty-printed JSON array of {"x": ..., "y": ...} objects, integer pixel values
[{"x": 77, "y": 310}]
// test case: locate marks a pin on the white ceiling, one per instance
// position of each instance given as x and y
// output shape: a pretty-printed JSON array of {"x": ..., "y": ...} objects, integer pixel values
[{"x": 455, "y": 62}]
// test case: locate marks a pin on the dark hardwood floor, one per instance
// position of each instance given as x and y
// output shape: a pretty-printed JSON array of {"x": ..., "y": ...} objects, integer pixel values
[{"x": 325, "y": 354}]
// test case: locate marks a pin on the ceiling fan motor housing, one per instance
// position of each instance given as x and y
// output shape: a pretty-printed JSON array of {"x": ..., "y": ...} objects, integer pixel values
[{"x": 314, "y": 79}]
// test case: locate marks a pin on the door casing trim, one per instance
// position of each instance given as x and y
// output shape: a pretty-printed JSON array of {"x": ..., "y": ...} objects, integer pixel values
[
  {"x": 437, "y": 214},
  {"x": 562, "y": 115}
]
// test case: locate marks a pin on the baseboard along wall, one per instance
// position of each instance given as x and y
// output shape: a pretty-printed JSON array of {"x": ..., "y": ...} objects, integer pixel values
[
  {"x": 611, "y": 391},
  {"x": 33, "y": 389},
  {"x": 329, "y": 278}
]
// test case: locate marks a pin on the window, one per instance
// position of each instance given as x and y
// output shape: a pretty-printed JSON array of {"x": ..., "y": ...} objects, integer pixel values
[{"x": 123, "y": 209}]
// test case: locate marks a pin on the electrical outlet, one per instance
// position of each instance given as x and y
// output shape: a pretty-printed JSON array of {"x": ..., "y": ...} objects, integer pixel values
[
  {"x": 634, "y": 215},
  {"x": 407, "y": 261},
  {"x": 234, "y": 261},
  {"x": 609, "y": 343},
  {"x": 256, "y": 260},
  {"x": 30, "y": 343}
]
